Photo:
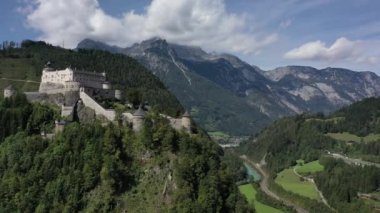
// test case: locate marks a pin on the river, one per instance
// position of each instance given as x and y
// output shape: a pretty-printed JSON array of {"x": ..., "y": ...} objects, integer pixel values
[{"x": 252, "y": 173}]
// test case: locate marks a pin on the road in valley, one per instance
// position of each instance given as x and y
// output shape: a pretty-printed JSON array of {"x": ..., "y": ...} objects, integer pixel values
[
  {"x": 353, "y": 161},
  {"x": 264, "y": 186}
]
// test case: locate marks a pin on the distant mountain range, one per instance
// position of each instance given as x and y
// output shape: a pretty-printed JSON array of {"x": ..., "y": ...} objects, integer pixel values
[{"x": 224, "y": 93}]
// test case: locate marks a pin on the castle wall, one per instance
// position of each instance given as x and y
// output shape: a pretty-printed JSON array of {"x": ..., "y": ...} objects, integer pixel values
[
  {"x": 9, "y": 93},
  {"x": 35, "y": 96},
  {"x": 138, "y": 123},
  {"x": 71, "y": 86},
  {"x": 179, "y": 123},
  {"x": 99, "y": 110},
  {"x": 66, "y": 111}
]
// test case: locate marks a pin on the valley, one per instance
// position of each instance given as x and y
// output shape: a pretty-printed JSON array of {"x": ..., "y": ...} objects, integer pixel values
[
  {"x": 331, "y": 146},
  {"x": 190, "y": 106},
  {"x": 325, "y": 180}
]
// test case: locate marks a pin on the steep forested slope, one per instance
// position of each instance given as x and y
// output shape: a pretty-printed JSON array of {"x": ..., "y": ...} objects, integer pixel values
[{"x": 96, "y": 168}]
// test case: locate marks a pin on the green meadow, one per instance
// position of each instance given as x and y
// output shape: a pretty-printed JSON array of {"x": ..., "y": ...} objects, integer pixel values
[
  {"x": 309, "y": 168},
  {"x": 347, "y": 137},
  {"x": 288, "y": 180},
  {"x": 250, "y": 193}
]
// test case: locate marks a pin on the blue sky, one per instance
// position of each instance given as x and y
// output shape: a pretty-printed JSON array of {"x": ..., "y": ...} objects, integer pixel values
[{"x": 266, "y": 33}]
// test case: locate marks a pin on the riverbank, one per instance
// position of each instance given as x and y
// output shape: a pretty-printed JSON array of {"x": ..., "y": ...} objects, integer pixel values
[{"x": 264, "y": 186}]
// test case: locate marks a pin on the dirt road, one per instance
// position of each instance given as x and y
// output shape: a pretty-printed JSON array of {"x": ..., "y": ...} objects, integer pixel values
[{"x": 264, "y": 186}]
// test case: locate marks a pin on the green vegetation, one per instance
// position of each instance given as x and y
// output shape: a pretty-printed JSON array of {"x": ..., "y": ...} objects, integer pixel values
[
  {"x": 219, "y": 135},
  {"x": 27, "y": 62},
  {"x": 250, "y": 193},
  {"x": 333, "y": 119},
  {"x": 341, "y": 183},
  {"x": 308, "y": 168},
  {"x": 16, "y": 114},
  {"x": 95, "y": 168},
  {"x": 305, "y": 137},
  {"x": 291, "y": 182},
  {"x": 348, "y": 137}
]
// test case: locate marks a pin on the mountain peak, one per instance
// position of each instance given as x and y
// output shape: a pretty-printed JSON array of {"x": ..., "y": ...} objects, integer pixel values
[
  {"x": 154, "y": 42},
  {"x": 88, "y": 43}
]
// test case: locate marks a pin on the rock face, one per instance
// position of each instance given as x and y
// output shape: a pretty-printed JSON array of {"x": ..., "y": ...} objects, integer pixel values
[{"x": 223, "y": 93}]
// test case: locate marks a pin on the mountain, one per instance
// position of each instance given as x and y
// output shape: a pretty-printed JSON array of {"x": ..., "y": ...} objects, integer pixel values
[
  {"x": 224, "y": 93},
  {"x": 332, "y": 87}
]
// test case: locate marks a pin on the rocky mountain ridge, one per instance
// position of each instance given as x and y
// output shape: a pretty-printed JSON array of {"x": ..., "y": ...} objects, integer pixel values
[{"x": 224, "y": 93}]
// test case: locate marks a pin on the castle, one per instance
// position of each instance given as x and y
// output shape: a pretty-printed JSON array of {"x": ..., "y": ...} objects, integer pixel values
[
  {"x": 71, "y": 88},
  {"x": 69, "y": 80}
]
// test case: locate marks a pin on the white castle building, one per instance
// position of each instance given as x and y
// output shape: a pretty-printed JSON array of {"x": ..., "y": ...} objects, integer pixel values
[{"x": 60, "y": 81}]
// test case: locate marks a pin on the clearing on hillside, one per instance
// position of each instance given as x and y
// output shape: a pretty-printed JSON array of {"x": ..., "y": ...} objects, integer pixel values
[
  {"x": 347, "y": 137},
  {"x": 309, "y": 168},
  {"x": 288, "y": 180},
  {"x": 250, "y": 194}
]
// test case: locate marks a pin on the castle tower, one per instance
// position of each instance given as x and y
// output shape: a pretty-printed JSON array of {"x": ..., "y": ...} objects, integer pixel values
[
  {"x": 118, "y": 94},
  {"x": 138, "y": 119},
  {"x": 186, "y": 121},
  {"x": 59, "y": 126},
  {"x": 9, "y": 91},
  {"x": 106, "y": 85}
]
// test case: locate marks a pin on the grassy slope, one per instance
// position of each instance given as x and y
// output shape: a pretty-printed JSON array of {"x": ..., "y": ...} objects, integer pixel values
[
  {"x": 17, "y": 69},
  {"x": 310, "y": 167},
  {"x": 345, "y": 136},
  {"x": 291, "y": 182},
  {"x": 250, "y": 193}
]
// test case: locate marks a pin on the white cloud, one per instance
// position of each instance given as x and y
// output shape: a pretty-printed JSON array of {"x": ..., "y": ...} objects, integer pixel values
[
  {"x": 204, "y": 23},
  {"x": 343, "y": 49}
]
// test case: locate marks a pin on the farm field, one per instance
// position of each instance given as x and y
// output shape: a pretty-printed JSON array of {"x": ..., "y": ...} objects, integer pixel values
[
  {"x": 335, "y": 119},
  {"x": 250, "y": 193},
  {"x": 345, "y": 136},
  {"x": 309, "y": 168},
  {"x": 288, "y": 180}
]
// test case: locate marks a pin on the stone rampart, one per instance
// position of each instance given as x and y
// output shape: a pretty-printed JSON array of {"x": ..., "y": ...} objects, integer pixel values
[
  {"x": 67, "y": 111},
  {"x": 99, "y": 110}
]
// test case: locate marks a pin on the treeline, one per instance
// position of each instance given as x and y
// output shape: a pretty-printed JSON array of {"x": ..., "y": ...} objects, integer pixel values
[
  {"x": 360, "y": 118},
  {"x": 93, "y": 168},
  {"x": 286, "y": 141},
  {"x": 341, "y": 183},
  {"x": 122, "y": 71},
  {"x": 304, "y": 137},
  {"x": 312, "y": 205},
  {"x": 17, "y": 114}
]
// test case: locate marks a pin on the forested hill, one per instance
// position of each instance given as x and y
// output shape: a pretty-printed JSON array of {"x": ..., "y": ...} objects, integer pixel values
[
  {"x": 26, "y": 63},
  {"x": 353, "y": 132},
  {"x": 97, "y": 168}
]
